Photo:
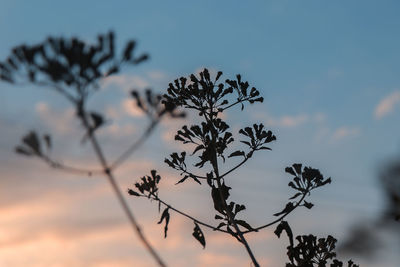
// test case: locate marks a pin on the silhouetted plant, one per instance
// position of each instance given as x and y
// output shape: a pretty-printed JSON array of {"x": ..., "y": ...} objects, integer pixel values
[
  {"x": 74, "y": 68},
  {"x": 212, "y": 141}
]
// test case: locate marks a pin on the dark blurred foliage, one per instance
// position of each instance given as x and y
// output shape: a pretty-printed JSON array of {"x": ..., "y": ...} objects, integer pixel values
[
  {"x": 367, "y": 238},
  {"x": 73, "y": 68}
]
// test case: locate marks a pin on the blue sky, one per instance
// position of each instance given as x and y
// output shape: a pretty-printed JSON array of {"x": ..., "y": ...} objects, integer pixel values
[{"x": 329, "y": 72}]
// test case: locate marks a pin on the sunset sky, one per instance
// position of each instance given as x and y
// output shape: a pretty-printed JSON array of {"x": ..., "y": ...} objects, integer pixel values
[{"x": 329, "y": 73}]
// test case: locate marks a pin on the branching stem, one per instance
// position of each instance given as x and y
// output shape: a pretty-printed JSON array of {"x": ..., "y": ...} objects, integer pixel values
[
  {"x": 214, "y": 162},
  {"x": 109, "y": 174}
]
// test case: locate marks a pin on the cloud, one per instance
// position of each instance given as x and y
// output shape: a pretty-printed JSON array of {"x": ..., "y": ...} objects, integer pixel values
[
  {"x": 130, "y": 107},
  {"x": 60, "y": 121},
  {"x": 117, "y": 130},
  {"x": 287, "y": 121},
  {"x": 126, "y": 82},
  {"x": 344, "y": 132},
  {"x": 290, "y": 121},
  {"x": 156, "y": 75},
  {"x": 386, "y": 105}
]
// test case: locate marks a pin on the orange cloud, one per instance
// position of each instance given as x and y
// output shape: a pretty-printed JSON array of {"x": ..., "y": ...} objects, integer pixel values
[{"x": 386, "y": 105}]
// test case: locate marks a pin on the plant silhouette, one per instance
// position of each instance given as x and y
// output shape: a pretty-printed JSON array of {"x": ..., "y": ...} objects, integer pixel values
[
  {"x": 74, "y": 68},
  {"x": 212, "y": 140}
]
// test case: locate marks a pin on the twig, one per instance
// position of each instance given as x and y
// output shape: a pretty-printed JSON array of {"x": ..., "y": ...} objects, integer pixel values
[
  {"x": 125, "y": 155},
  {"x": 71, "y": 169},
  {"x": 277, "y": 220}
]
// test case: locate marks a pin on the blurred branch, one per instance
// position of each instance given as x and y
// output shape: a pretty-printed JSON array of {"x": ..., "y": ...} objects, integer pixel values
[
  {"x": 71, "y": 169},
  {"x": 132, "y": 148},
  {"x": 117, "y": 190}
]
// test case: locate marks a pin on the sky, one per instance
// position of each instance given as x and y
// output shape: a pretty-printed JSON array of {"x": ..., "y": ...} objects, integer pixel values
[{"x": 328, "y": 71}]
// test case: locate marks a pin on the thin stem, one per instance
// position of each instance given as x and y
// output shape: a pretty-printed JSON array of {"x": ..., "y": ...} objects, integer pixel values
[
  {"x": 237, "y": 102},
  {"x": 125, "y": 155},
  {"x": 156, "y": 198},
  {"x": 231, "y": 170},
  {"x": 277, "y": 220},
  {"x": 59, "y": 89},
  {"x": 192, "y": 174},
  {"x": 71, "y": 169},
  {"x": 118, "y": 192},
  {"x": 214, "y": 163}
]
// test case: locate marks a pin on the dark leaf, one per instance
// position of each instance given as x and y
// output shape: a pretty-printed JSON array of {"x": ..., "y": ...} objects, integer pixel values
[
  {"x": 289, "y": 207},
  {"x": 199, "y": 147},
  {"x": 97, "y": 120},
  {"x": 244, "y": 224},
  {"x": 128, "y": 50},
  {"x": 264, "y": 147},
  {"x": 165, "y": 215},
  {"x": 141, "y": 59},
  {"x": 198, "y": 234},
  {"x": 237, "y": 153},
  {"x": 308, "y": 205},
  {"x": 210, "y": 179},
  {"x": 217, "y": 217},
  {"x": 220, "y": 225},
  {"x": 218, "y": 75},
  {"x": 239, "y": 208},
  {"x": 133, "y": 193},
  {"x": 195, "y": 179},
  {"x": 47, "y": 139},
  {"x": 23, "y": 151},
  {"x": 290, "y": 170},
  {"x": 112, "y": 70},
  {"x": 295, "y": 195},
  {"x": 33, "y": 142},
  {"x": 183, "y": 179},
  {"x": 284, "y": 226},
  {"x": 297, "y": 167}
]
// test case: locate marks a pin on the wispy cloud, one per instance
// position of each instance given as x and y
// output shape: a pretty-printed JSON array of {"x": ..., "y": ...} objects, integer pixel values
[
  {"x": 344, "y": 132},
  {"x": 126, "y": 82},
  {"x": 290, "y": 121},
  {"x": 130, "y": 107},
  {"x": 386, "y": 105},
  {"x": 60, "y": 121},
  {"x": 156, "y": 75}
]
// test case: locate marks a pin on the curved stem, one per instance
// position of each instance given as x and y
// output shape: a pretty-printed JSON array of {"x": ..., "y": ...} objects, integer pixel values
[
  {"x": 231, "y": 170},
  {"x": 186, "y": 215},
  {"x": 277, "y": 220},
  {"x": 117, "y": 191},
  {"x": 237, "y": 102},
  {"x": 71, "y": 169},
  {"x": 59, "y": 89},
  {"x": 124, "y": 156}
]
